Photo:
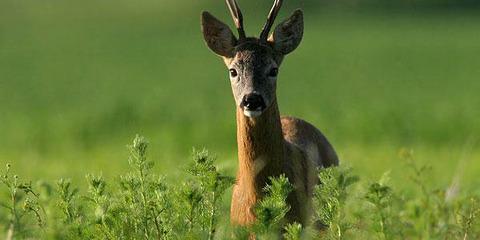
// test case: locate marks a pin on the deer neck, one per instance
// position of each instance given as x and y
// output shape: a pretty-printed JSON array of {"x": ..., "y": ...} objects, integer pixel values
[{"x": 261, "y": 149}]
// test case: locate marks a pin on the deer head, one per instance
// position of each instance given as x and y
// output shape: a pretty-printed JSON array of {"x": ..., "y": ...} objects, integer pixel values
[{"x": 253, "y": 63}]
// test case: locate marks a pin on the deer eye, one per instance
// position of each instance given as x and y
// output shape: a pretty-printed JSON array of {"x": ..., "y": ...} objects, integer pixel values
[
  {"x": 273, "y": 72},
  {"x": 233, "y": 73}
]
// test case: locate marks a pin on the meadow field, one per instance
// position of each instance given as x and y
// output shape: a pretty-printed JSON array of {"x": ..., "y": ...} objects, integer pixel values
[{"x": 78, "y": 80}]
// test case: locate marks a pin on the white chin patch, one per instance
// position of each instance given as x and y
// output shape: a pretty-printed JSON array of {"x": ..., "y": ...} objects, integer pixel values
[{"x": 252, "y": 114}]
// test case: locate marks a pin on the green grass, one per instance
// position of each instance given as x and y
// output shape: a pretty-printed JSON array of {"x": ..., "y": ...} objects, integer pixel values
[
  {"x": 140, "y": 204},
  {"x": 77, "y": 80}
]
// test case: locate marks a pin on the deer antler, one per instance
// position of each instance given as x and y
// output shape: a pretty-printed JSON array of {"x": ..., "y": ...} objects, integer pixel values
[
  {"x": 237, "y": 17},
  {"x": 270, "y": 20}
]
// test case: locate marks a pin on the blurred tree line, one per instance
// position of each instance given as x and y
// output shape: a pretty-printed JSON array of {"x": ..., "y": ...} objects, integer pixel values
[
  {"x": 376, "y": 4},
  {"x": 399, "y": 3}
]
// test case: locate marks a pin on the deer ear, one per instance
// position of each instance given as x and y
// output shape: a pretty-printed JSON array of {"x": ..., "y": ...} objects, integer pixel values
[
  {"x": 218, "y": 36},
  {"x": 288, "y": 34}
]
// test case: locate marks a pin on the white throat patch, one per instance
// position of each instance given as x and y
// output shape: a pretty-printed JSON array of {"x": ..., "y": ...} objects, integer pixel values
[{"x": 252, "y": 114}]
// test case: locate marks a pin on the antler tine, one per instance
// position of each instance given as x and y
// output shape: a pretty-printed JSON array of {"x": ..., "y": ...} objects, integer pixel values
[
  {"x": 237, "y": 17},
  {"x": 271, "y": 19}
]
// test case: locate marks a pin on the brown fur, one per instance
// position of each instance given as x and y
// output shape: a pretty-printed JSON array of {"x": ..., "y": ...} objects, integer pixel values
[
  {"x": 268, "y": 145},
  {"x": 281, "y": 143}
]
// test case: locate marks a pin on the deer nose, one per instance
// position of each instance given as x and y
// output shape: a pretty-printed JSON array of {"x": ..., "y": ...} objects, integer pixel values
[{"x": 253, "y": 102}]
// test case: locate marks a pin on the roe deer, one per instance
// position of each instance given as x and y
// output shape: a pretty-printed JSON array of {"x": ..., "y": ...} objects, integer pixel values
[{"x": 268, "y": 145}]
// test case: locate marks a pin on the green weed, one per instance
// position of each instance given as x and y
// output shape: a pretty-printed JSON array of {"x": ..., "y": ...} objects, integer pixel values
[{"x": 143, "y": 205}]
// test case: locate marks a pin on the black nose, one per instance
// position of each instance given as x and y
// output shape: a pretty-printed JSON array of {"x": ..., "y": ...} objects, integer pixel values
[{"x": 253, "y": 102}]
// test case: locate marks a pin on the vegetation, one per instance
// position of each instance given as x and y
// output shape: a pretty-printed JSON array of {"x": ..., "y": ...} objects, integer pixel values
[
  {"x": 141, "y": 205},
  {"x": 79, "y": 78}
]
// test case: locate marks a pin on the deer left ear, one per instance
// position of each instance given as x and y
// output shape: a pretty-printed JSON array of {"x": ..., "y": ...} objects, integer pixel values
[
  {"x": 218, "y": 35},
  {"x": 288, "y": 34}
]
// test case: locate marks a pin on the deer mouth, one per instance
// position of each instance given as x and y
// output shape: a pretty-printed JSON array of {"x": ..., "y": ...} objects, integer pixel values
[
  {"x": 252, "y": 114},
  {"x": 253, "y": 105}
]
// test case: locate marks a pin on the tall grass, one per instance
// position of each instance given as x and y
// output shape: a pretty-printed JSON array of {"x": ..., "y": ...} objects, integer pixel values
[
  {"x": 79, "y": 79},
  {"x": 142, "y": 205}
]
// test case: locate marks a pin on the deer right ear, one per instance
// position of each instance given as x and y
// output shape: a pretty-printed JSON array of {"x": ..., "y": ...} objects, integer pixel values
[
  {"x": 288, "y": 34},
  {"x": 218, "y": 36}
]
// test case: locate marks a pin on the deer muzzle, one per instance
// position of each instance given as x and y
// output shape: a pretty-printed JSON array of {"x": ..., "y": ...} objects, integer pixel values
[{"x": 253, "y": 105}]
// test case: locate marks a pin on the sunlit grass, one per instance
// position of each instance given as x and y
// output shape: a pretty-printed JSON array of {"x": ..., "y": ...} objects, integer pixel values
[{"x": 77, "y": 81}]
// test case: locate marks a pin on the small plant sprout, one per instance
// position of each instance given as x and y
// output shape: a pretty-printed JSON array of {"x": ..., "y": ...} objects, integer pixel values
[
  {"x": 213, "y": 185},
  {"x": 272, "y": 209},
  {"x": 468, "y": 219},
  {"x": 330, "y": 198},
  {"x": 380, "y": 195},
  {"x": 23, "y": 201},
  {"x": 293, "y": 231},
  {"x": 145, "y": 202}
]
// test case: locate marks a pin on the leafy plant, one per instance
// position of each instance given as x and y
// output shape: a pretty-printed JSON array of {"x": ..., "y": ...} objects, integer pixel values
[
  {"x": 143, "y": 205},
  {"x": 379, "y": 194},
  {"x": 212, "y": 186},
  {"x": 330, "y": 197},
  {"x": 293, "y": 231},
  {"x": 271, "y": 210},
  {"x": 23, "y": 202}
]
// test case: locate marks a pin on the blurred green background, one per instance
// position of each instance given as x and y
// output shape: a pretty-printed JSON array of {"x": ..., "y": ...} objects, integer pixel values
[{"x": 78, "y": 80}]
